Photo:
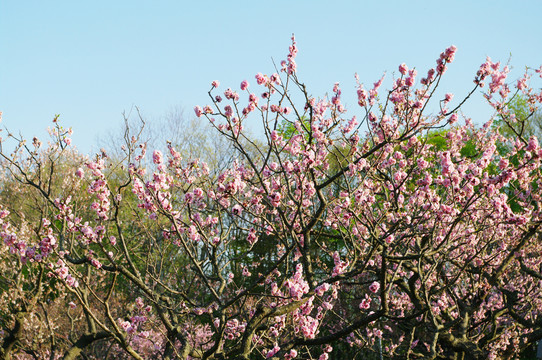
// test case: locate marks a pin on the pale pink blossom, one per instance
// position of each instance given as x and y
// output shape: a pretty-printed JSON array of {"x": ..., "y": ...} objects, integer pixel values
[
  {"x": 403, "y": 69},
  {"x": 198, "y": 110},
  {"x": 157, "y": 157}
]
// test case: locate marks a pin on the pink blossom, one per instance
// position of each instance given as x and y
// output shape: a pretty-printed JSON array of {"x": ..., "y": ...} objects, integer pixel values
[
  {"x": 198, "y": 311},
  {"x": 253, "y": 98},
  {"x": 252, "y": 237},
  {"x": 237, "y": 209},
  {"x": 126, "y": 326},
  {"x": 198, "y": 111},
  {"x": 272, "y": 352},
  {"x": 244, "y": 85},
  {"x": 403, "y": 69},
  {"x": 320, "y": 290},
  {"x": 80, "y": 173},
  {"x": 418, "y": 104},
  {"x": 246, "y": 272},
  {"x": 453, "y": 119},
  {"x": 450, "y": 53},
  {"x": 374, "y": 286},
  {"x": 157, "y": 157},
  {"x": 365, "y": 304},
  {"x": 231, "y": 95},
  {"x": 275, "y": 199},
  {"x": 275, "y": 78},
  {"x": 71, "y": 281},
  {"x": 228, "y": 111},
  {"x": 533, "y": 144},
  {"x": 96, "y": 263},
  {"x": 261, "y": 79},
  {"x": 207, "y": 109},
  {"x": 275, "y": 135}
]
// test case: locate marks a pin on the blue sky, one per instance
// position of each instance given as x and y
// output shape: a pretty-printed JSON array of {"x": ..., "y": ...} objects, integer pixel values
[{"x": 91, "y": 60}]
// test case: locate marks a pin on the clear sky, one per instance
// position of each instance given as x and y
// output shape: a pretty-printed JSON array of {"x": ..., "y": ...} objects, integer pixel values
[{"x": 91, "y": 60}]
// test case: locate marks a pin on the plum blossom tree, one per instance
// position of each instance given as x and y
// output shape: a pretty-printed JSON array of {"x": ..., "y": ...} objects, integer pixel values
[{"x": 345, "y": 236}]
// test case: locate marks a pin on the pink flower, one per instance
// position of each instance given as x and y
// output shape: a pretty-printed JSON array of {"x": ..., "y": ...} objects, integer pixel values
[
  {"x": 237, "y": 209},
  {"x": 157, "y": 157},
  {"x": 275, "y": 199},
  {"x": 96, "y": 263},
  {"x": 320, "y": 290},
  {"x": 365, "y": 304},
  {"x": 228, "y": 111},
  {"x": 246, "y": 272},
  {"x": 231, "y": 95},
  {"x": 275, "y": 78},
  {"x": 198, "y": 193},
  {"x": 374, "y": 286},
  {"x": 275, "y": 135},
  {"x": 253, "y": 98},
  {"x": 71, "y": 281},
  {"x": 272, "y": 352},
  {"x": 198, "y": 311},
  {"x": 533, "y": 144},
  {"x": 252, "y": 237},
  {"x": 198, "y": 110},
  {"x": 453, "y": 119},
  {"x": 521, "y": 84},
  {"x": 261, "y": 79},
  {"x": 80, "y": 173},
  {"x": 450, "y": 53},
  {"x": 126, "y": 326},
  {"x": 244, "y": 85},
  {"x": 215, "y": 84},
  {"x": 418, "y": 104},
  {"x": 403, "y": 69},
  {"x": 139, "y": 302}
]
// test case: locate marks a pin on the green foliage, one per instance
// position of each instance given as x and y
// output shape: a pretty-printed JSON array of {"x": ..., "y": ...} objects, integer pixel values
[
  {"x": 438, "y": 139},
  {"x": 522, "y": 120},
  {"x": 287, "y": 129}
]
